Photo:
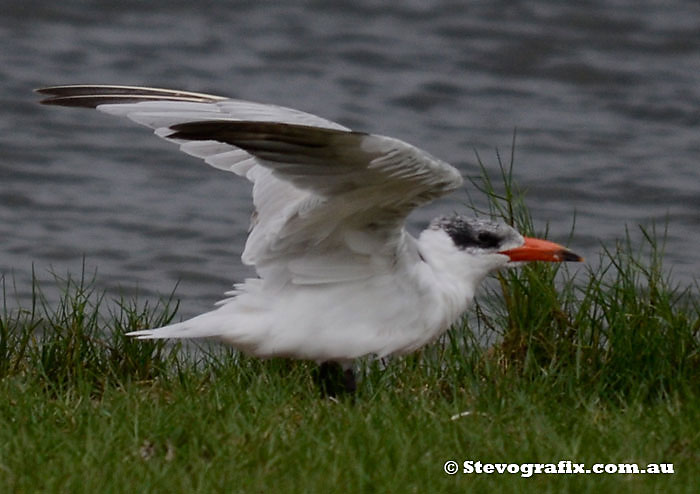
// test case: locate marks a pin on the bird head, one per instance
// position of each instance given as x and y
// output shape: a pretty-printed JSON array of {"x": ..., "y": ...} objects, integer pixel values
[{"x": 495, "y": 244}]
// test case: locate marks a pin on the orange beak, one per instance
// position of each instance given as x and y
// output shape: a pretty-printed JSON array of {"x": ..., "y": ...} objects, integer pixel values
[{"x": 535, "y": 249}]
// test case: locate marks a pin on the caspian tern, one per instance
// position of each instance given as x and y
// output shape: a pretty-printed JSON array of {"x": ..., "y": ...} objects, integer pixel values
[{"x": 339, "y": 276}]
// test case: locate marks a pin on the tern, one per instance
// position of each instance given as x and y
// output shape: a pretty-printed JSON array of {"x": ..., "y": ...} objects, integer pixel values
[{"x": 339, "y": 277}]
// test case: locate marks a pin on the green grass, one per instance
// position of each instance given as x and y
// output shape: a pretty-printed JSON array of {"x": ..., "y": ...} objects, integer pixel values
[{"x": 595, "y": 364}]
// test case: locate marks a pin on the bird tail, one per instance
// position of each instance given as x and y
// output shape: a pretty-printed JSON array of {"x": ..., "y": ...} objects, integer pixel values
[
  {"x": 245, "y": 331},
  {"x": 202, "y": 326}
]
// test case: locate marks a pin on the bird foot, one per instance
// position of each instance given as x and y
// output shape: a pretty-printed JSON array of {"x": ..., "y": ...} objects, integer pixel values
[{"x": 334, "y": 381}]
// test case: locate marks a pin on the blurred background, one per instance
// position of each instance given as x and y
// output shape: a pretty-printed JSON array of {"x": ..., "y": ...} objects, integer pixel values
[{"x": 605, "y": 97}]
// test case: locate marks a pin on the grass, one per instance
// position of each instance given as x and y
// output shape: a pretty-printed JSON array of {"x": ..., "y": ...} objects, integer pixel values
[{"x": 598, "y": 365}]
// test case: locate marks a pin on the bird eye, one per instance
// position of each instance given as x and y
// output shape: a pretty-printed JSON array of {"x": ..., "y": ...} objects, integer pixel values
[{"x": 487, "y": 239}]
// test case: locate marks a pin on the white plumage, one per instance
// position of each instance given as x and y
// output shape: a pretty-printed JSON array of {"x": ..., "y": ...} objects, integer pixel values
[{"x": 339, "y": 276}]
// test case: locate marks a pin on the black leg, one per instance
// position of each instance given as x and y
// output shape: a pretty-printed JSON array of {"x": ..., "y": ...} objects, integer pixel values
[{"x": 333, "y": 381}]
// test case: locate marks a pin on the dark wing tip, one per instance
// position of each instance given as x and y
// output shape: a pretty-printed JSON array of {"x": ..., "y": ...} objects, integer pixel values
[
  {"x": 90, "y": 95},
  {"x": 76, "y": 101}
]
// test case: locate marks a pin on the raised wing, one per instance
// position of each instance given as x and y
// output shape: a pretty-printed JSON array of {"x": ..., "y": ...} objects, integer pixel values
[{"x": 330, "y": 203}]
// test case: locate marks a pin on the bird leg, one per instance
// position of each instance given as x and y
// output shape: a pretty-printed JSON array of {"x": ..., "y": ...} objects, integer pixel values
[{"x": 334, "y": 381}]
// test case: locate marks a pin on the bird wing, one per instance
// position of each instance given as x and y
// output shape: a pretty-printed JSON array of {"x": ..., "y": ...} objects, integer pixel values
[{"x": 330, "y": 203}]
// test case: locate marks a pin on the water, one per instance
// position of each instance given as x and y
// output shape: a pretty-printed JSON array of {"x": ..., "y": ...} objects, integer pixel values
[{"x": 605, "y": 96}]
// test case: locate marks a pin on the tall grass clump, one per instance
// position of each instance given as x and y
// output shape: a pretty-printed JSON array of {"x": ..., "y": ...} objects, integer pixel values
[
  {"x": 80, "y": 340},
  {"x": 618, "y": 327}
]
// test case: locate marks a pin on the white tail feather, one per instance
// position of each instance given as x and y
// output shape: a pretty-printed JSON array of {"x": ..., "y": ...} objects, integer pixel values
[{"x": 197, "y": 327}]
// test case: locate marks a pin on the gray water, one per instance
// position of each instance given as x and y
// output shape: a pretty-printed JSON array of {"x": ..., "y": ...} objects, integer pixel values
[{"x": 605, "y": 96}]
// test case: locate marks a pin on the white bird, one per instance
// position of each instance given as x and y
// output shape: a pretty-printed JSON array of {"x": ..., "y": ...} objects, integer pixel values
[{"x": 339, "y": 277}]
